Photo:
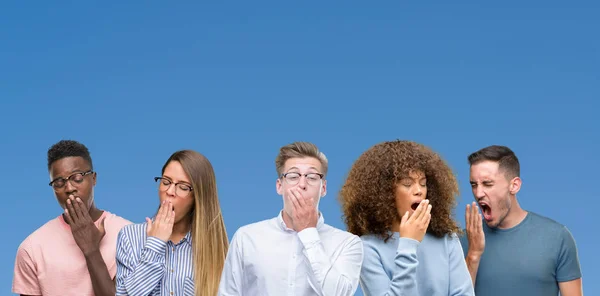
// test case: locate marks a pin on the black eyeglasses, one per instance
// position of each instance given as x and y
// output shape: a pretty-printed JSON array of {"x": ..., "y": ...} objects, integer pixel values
[
  {"x": 75, "y": 179},
  {"x": 293, "y": 178},
  {"x": 181, "y": 189}
]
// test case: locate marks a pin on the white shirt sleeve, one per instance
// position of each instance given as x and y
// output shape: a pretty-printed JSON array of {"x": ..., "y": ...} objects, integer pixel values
[
  {"x": 233, "y": 270},
  {"x": 336, "y": 276}
]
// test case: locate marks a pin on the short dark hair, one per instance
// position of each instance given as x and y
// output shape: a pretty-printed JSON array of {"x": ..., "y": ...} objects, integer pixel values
[
  {"x": 68, "y": 148},
  {"x": 506, "y": 159}
]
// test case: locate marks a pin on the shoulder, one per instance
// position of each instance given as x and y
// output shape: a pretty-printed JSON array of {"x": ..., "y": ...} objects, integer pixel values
[
  {"x": 338, "y": 234},
  {"x": 133, "y": 231},
  {"x": 255, "y": 229},
  {"x": 538, "y": 219},
  {"x": 547, "y": 225},
  {"x": 375, "y": 242},
  {"x": 40, "y": 235},
  {"x": 453, "y": 242},
  {"x": 133, "y": 228},
  {"x": 112, "y": 220},
  {"x": 38, "y": 240},
  {"x": 452, "y": 237}
]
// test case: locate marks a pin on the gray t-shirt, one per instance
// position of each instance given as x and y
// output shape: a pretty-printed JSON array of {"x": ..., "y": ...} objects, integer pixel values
[{"x": 528, "y": 259}]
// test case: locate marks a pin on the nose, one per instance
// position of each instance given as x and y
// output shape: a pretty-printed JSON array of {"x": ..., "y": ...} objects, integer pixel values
[
  {"x": 478, "y": 192},
  {"x": 418, "y": 190},
  {"x": 171, "y": 190},
  {"x": 302, "y": 183},
  {"x": 69, "y": 188}
]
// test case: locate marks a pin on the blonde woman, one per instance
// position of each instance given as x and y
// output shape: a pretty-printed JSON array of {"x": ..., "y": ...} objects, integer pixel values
[{"x": 182, "y": 250}]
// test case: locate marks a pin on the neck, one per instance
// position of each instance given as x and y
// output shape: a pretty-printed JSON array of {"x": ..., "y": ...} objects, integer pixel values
[
  {"x": 395, "y": 226},
  {"x": 181, "y": 228},
  {"x": 287, "y": 220},
  {"x": 515, "y": 216}
]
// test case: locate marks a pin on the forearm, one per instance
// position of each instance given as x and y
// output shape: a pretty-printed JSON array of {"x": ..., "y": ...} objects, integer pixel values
[
  {"x": 335, "y": 277},
  {"x": 473, "y": 265},
  {"x": 102, "y": 283},
  {"x": 334, "y": 280},
  {"x": 461, "y": 281},
  {"x": 403, "y": 281},
  {"x": 404, "y": 278}
]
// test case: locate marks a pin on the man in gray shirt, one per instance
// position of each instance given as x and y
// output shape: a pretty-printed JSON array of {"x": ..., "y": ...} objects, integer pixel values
[{"x": 515, "y": 252}]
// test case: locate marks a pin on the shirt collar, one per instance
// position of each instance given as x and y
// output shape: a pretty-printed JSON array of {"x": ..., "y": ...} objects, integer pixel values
[
  {"x": 284, "y": 227},
  {"x": 188, "y": 238}
]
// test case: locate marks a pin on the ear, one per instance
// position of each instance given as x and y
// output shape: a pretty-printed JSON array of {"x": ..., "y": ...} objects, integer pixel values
[
  {"x": 94, "y": 178},
  {"x": 515, "y": 185},
  {"x": 324, "y": 189},
  {"x": 278, "y": 186}
]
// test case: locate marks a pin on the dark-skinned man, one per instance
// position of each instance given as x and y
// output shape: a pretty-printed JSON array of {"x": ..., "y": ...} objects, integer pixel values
[{"x": 74, "y": 253}]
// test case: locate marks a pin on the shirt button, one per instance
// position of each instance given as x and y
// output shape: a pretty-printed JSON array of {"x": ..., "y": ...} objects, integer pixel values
[
  {"x": 171, "y": 270},
  {"x": 173, "y": 251},
  {"x": 171, "y": 292}
]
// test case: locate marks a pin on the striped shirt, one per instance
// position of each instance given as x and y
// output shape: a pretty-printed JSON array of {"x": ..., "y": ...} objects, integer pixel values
[{"x": 149, "y": 266}]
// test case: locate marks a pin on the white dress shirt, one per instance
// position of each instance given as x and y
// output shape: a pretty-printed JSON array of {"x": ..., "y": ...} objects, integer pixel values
[{"x": 268, "y": 258}]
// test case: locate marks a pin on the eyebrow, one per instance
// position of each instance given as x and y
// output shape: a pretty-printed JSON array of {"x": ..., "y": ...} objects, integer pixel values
[
  {"x": 71, "y": 173},
  {"x": 171, "y": 179},
  {"x": 295, "y": 168}
]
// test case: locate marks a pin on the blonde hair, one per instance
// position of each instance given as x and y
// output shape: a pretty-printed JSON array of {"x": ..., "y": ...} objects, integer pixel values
[
  {"x": 299, "y": 150},
  {"x": 209, "y": 237}
]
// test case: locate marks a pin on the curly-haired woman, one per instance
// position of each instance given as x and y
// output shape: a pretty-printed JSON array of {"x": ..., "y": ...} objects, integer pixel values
[{"x": 398, "y": 197}]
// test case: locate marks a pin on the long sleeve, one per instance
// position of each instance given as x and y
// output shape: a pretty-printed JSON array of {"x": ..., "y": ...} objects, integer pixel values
[
  {"x": 339, "y": 277},
  {"x": 139, "y": 277},
  {"x": 460, "y": 279},
  {"x": 374, "y": 279},
  {"x": 233, "y": 271}
]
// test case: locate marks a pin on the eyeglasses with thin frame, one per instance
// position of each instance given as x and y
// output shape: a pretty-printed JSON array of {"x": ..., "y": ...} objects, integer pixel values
[
  {"x": 75, "y": 179},
  {"x": 293, "y": 178},
  {"x": 181, "y": 189}
]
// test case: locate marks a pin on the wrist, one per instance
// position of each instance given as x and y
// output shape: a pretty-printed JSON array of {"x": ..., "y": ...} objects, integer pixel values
[
  {"x": 88, "y": 254},
  {"x": 308, "y": 236}
]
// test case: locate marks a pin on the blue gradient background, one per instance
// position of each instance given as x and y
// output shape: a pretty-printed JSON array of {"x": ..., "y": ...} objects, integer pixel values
[{"x": 235, "y": 81}]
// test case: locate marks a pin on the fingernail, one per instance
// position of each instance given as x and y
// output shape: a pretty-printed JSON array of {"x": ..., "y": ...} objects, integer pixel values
[
  {"x": 78, "y": 199},
  {"x": 68, "y": 201}
]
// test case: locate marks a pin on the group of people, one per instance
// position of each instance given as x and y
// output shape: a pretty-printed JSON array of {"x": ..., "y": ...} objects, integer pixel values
[{"x": 401, "y": 239}]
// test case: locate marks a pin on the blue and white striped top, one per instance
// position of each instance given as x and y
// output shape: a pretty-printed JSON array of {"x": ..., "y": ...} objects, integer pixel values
[{"x": 149, "y": 266}]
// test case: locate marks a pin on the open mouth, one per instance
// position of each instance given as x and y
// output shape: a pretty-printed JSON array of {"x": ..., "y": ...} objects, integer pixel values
[
  {"x": 486, "y": 210},
  {"x": 415, "y": 205}
]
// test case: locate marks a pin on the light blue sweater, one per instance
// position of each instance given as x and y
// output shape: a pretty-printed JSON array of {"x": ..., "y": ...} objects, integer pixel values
[{"x": 405, "y": 267}]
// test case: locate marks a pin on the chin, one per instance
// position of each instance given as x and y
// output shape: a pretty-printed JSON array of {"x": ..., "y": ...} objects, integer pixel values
[{"x": 491, "y": 224}]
